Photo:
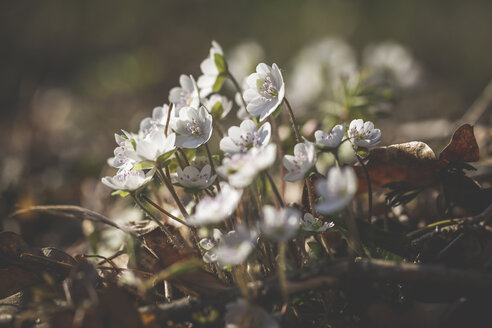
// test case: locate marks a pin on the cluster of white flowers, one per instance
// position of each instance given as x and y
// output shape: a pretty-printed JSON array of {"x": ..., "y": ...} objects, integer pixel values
[{"x": 226, "y": 210}]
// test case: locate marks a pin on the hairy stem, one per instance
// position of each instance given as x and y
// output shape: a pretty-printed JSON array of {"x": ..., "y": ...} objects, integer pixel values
[
  {"x": 171, "y": 189},
  {"x": 293, "y": 121}
]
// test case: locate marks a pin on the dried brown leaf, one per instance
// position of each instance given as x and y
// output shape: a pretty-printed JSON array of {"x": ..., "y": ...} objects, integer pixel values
[
  {"x": 412, "y": 162},
  {"x": 463, "y": 147}
]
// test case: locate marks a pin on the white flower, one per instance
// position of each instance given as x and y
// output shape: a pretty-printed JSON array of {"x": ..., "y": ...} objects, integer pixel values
[
  {"x": 299, "y": 165},
  {"x": 246, "y": 136},
  {"x": 312, "y": 224},
  {"x": 241, "y": 314},
  {"x": 214, "y": 71},
  {"x": 217, "y": 105},
  {"x": 186, "y": 95},
  {"x": 237, "y": 170},
  {"x": 393, "y": 58},
  {"x": 128, "y": 179},
  {"x": 240, "y": 169},
  {"x": 214, "y": 210},
  {"x": 337, "y": 190},
  {"x": 190, "y": 177},
  {"x": 280, "y": 225},
  {"x": 120, "y": 153},
  {"x": 363, "y": 134},
  {"x": 193, "y": 126},
  {"x": 265, "y": 91},
  {"x": 158, "y": 120},
  {"x": 153, "y": 147},
  {"x": 332, "y": 139},
  {"x": 235, "y": 246}
]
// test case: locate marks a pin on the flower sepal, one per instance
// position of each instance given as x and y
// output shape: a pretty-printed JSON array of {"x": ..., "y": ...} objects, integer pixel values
[
  {"x": 362, "y": 151},
  {"x": 163, "y": 160},
  {"x": 122, "y": 193},
  {"x": 144, "y": 165}
]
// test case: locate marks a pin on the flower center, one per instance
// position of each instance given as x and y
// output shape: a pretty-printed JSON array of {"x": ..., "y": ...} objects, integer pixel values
[
  {"x": 249, "y": 140},
  {"x": 194, "y": 127},
  {"x": 266, "y": 88}
]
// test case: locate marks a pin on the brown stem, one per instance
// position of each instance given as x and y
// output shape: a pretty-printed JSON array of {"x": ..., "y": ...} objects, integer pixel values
[
  {"x": 171, "y": 189},
  {"x": 183, "y": 154},
  {"x": 293, "y": 121},
  {"x": 309, "y": 187},
  {"x": 238, "y": 88},
  {"x": 148, "y": 200},
  {"x": 280, "y": 153},
  {"x": 279, "y": 199},
  {"x": 168, "y": 118},
  {"x": 163, "y": 227},
  {"x": 211, "y": 160},
  {"x": 369, "y": 187}
]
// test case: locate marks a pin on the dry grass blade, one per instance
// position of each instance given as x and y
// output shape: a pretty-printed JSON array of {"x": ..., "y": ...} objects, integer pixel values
[{"x": 72, "y": 212}]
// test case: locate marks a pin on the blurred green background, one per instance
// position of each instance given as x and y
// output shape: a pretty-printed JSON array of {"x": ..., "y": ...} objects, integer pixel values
[{"x": 72, "y": 73}]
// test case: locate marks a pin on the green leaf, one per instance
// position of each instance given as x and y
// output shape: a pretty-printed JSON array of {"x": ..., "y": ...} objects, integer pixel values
[
  {"x": 217, "y": 110},
  {"x": 161, "y": 160},
  {"x": 315, "y": 250},
  {"x": 122, "y": 193},
  {"x": 277, "y": 111},
  {"x": 220, "y": 63},
  {"x": 144, "y": 165},
  {"x": 218, "y": 83},
  {"x": 362, "y": 152}
]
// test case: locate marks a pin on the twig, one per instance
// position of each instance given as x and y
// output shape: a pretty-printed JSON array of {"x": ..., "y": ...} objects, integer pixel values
[{"x": 478, "y": 108}]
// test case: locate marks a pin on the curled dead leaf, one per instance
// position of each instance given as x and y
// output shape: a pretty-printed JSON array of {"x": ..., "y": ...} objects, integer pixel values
[
  {"x": 412, "y": 162},
  {"x": 463, "y": 147}
]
